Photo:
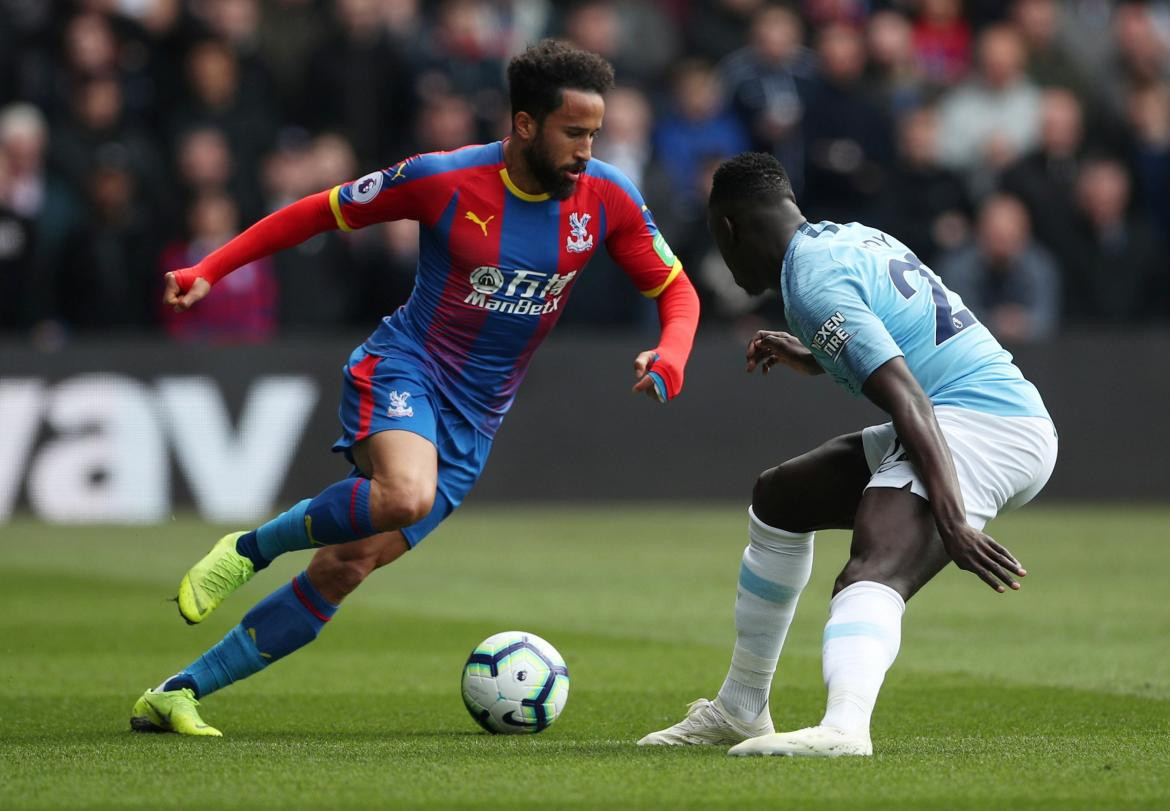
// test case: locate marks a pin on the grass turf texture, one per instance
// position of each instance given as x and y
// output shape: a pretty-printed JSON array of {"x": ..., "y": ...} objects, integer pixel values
[{"x": 1055, "y": 697}]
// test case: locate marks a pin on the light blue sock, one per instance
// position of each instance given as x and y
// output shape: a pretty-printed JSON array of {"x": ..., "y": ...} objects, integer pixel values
[{"x": 288, "y": 619}]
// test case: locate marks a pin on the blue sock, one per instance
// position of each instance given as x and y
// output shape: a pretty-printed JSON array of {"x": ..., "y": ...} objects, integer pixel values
[
  {"x": 341, "y": 513},
  {"x": 288, "y": 619}
]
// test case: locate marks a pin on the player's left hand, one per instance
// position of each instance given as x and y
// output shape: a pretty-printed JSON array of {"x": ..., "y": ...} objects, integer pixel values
[
  {"x": 979, "y": 554},
  {"x": 648, "y": 382}
]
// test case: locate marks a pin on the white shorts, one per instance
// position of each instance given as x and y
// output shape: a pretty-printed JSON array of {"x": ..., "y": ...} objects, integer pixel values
[{"x": 1001, "y": 462}]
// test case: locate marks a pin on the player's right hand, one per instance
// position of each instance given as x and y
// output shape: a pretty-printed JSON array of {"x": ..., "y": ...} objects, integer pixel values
[
  {"x": 767, "y": 348},
  {"x": 981, "y": 555},
  {"x": 181, "y": 300}
]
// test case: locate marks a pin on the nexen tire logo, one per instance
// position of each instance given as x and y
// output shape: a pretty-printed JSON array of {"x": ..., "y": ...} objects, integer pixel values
[{"x": 528, "y": 292}]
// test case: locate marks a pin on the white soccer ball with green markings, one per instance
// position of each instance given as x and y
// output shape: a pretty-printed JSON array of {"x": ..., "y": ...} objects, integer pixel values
[{"x": 515, "y": 682}]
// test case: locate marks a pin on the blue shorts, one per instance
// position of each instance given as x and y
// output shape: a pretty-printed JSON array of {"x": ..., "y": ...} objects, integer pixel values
[{"x": 395, "y": 394}]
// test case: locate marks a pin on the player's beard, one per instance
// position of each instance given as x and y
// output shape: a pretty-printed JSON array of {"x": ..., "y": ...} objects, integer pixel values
[{"x": 550, "y": 176}]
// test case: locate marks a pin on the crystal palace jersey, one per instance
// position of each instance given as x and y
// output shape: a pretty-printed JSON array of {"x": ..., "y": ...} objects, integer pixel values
[
  {"x": 496, "y": 264},
  {"x": 856, "y": 297}
]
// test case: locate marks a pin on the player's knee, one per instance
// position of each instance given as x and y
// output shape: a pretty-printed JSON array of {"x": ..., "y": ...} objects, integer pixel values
[
  {"x": 770, "y": 503},
  {"x": 394, "y": 505},
  {"x": 859, "y": 570}
]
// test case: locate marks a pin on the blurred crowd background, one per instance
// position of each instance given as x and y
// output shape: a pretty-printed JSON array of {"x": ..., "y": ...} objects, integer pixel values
[{"x": 1019, "y": 147}]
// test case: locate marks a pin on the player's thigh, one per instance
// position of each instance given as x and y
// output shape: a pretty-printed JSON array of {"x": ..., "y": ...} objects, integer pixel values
[
  {"x": 895, "y": 542},
  {"x": 337, "y": 570},
  {"x": 820, "y": 489},
  {"x": 397, "y": 454},
  {"x": 404, "y": 467}
]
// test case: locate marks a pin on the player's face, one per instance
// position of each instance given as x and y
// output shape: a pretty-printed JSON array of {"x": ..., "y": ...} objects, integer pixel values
[
  {"x": 564, "y": 142},
  {"x": 734, "y": 252}
]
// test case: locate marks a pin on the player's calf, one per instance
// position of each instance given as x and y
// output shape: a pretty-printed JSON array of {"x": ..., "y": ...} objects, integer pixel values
[{"x": 338, "y": 570}]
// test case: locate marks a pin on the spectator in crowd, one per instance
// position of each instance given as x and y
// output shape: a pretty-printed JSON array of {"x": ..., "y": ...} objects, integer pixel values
[
  {"x": 1149, "y": 119},
  {"x": 1141, "y": 55},
  {"x": 41, "y": 196},
  {"x": 91, "y": 48},
  {"x": 205, "y": 162},
  {"x": 218, "y": 100},
  {"x": 925, "y": 204},
  {"x": 633, "y": 36},
  {"x": 1045, "y": 178},
  {"x": 466, "y": 51},
  {"x": 446, "y": 122},
  {"x": 17, "y": 245},
  {"x": 1009, "y": 281},
  {"x": 895, "y": 74},
  {"x": 847, "y": 136},
  {"x": 97, "y": 123},
  {"x": 243, "y": 310},
  {"x": 697, "y": 126},
  {"x": 236, "y": 23},
  {"x": 1118, "y": 272},
  {"x": 289, "y": 33},
  {"x": 625, "y": 141},
  {"x": 716, "y": 28},
  {"x": 761, "y": 81},
  {"x": 111, "y": 280},
  {"x": 359, "y": 85},
  {"x": 942, "y": 40},
  {"x": 1051, "y": 62},
  {"x": 992, "y": 119}
]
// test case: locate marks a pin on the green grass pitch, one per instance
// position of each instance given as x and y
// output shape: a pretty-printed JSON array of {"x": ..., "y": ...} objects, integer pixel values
[{"x": 1055, "y": 697}]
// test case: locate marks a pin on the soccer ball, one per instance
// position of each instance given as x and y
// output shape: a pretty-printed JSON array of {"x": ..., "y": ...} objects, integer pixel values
[{"x": 515, "y": 682}]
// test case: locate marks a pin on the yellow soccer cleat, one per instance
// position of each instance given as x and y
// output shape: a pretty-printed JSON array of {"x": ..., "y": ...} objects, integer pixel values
[
  {"x": 211, "y": 580},
  {"x": 170, "y": 711}
]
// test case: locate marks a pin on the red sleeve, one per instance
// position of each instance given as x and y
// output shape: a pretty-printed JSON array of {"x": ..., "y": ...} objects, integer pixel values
[
  {"x": 418, "y": 188},
  {"x": 281, "y": 229},
  {"x": 678, "y": 312},
  {"x": 639, "y": 248}
]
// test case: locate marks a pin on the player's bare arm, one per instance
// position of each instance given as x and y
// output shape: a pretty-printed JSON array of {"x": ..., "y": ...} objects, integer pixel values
[
  {"x": 767, "y": 348},
  {"x": 893, "y": 389}
]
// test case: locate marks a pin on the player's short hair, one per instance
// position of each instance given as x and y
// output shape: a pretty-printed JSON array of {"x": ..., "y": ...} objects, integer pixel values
[
  {"x": 750, "y": 177},
  {"x": 538, "y": 77}
]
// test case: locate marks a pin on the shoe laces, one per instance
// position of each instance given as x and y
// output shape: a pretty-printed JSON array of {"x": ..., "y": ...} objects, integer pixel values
[
  {"x": 700, "y": 713},
  {"x": 227, "y": 573},
  {"x": 189, "y": 696}
]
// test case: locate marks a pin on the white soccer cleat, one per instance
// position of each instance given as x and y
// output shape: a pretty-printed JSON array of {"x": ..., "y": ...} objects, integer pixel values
[
  {"x": 707, "y": 723},
  {"x": 818, "y": 741}
]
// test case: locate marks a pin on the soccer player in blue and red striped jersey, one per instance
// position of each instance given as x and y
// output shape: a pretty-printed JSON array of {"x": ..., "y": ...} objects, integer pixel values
[{"x": 506, "y": 230}]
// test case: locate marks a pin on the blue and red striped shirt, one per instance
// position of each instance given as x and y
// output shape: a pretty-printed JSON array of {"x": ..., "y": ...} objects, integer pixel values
[{"x": 496, "y": 264}]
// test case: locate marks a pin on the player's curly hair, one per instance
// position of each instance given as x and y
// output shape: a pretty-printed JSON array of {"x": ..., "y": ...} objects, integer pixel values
[
  {"x": 750, "y": 177},
  {"x": 538, "y": 77}
]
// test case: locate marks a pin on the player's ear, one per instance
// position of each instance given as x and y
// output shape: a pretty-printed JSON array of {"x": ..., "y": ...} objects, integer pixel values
[
  {"x": 728, "y": 226},
  {"x": 524, "y": 125}
]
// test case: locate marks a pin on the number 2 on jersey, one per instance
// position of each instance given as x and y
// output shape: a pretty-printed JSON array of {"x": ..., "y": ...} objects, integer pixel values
[{"x": 947, "y": 324}]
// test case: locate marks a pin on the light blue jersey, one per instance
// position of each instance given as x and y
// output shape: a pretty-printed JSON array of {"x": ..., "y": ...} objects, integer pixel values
[{"x": 857, "y": 297}]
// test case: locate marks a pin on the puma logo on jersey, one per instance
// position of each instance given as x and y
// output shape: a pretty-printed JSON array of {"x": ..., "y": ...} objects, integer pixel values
[
  {"x": 398, "y": 171},
  {"x": 483, "y": 224}
]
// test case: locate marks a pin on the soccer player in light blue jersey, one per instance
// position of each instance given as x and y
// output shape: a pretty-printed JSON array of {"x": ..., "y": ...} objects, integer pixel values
[{"x": 969, "y": 438}]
